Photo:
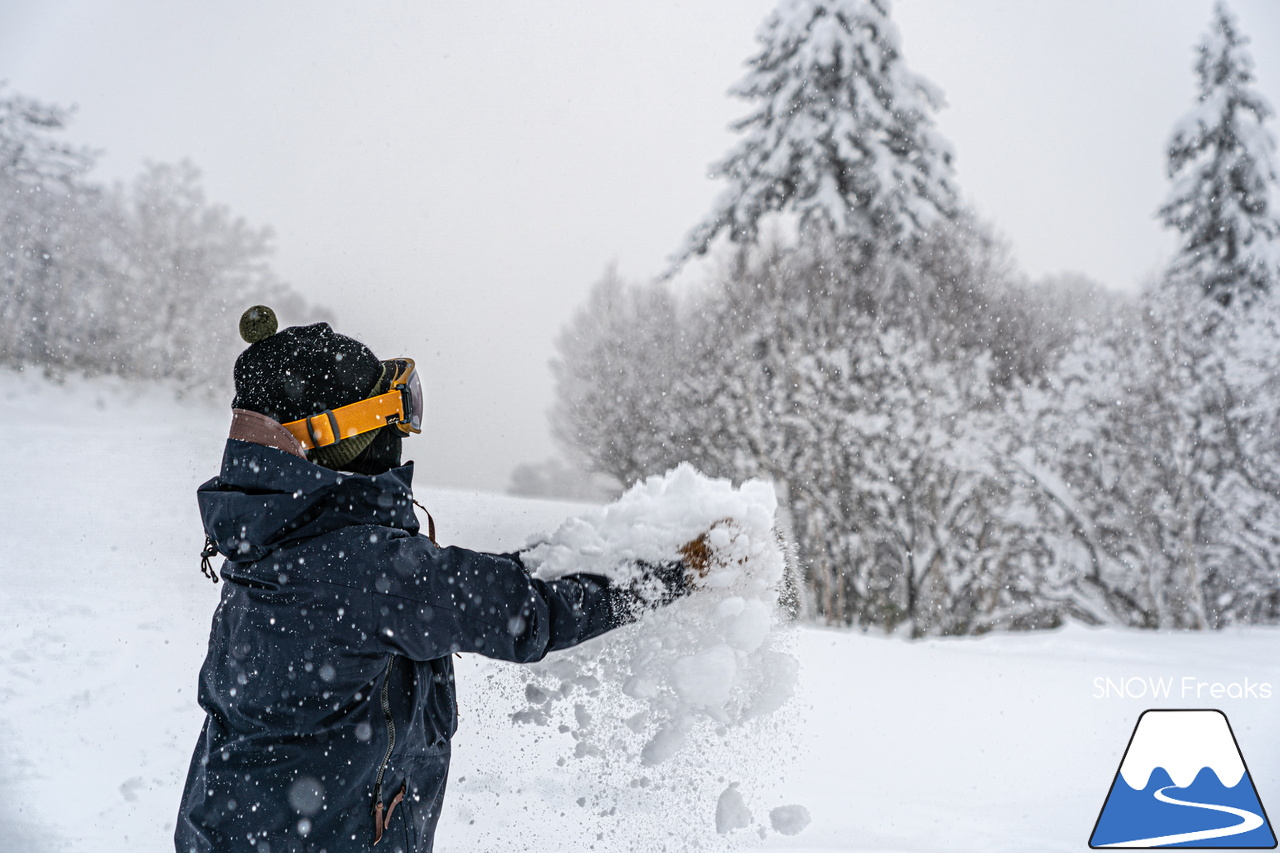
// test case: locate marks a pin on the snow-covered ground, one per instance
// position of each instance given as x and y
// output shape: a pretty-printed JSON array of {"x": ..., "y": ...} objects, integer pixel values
[{"x": 990, "y": 744}]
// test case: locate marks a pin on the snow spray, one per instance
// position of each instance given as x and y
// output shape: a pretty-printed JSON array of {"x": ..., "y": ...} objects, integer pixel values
[{"x": 690, "y": 687}]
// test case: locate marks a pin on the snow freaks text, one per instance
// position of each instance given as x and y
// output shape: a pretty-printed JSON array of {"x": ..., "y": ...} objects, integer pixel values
[{"x": 1188, "y": 687}]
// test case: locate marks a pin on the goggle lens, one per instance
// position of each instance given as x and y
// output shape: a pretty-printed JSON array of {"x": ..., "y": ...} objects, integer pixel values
[
  {"x": 415, "y": 402},
  {"x": 407, "y": 383}
]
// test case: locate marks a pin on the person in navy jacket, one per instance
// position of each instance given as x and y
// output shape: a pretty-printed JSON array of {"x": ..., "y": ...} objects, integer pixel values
[{"x": 328, "y": 683}]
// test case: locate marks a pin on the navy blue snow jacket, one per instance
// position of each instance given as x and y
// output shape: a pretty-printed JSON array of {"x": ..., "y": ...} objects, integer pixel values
[{"x": 329, "y": 683}]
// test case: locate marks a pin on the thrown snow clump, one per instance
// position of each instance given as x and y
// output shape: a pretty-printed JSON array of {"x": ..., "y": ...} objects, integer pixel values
[
  {"x": 712, "y": 655},
  {"x": 731, "y": 810},
  {"x": 789, "y": 820}
]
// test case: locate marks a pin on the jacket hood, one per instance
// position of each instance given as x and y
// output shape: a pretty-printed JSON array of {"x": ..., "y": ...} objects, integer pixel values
[{"x": 265, "y": 498}]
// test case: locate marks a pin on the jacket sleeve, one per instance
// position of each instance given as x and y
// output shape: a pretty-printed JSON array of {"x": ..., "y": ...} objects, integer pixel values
[{"x": 467, "y": 601}]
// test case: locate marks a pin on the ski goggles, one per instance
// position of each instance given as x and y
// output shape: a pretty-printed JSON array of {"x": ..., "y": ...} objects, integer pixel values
[{"x": 400, "y": 407}]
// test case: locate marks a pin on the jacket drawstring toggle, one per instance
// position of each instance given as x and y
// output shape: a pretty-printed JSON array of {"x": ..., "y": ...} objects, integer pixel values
[
  {"x": 380, "y": 823},
  {"x": 210, "y": 551}
]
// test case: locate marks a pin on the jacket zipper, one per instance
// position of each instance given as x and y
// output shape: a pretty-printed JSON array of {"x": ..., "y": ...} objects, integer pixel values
[{"x": 378, "y": 823}]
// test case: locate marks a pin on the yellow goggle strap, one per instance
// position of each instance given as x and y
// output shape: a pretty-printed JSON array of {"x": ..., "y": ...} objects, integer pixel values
[{"x": 333, "y": 425}]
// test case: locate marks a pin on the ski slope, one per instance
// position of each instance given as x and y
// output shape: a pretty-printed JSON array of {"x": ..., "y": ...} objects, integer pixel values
[
  {"x": 1248, "y": 821},
  {"x": 997, "y": 743}
]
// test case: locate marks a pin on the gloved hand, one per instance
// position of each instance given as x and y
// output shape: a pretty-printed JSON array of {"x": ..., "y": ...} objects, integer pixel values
[{"x": 698, "y": 555}]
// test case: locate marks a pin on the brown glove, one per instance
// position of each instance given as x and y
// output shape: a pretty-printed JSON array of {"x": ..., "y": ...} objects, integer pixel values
[{"x": 698, "y": 557}]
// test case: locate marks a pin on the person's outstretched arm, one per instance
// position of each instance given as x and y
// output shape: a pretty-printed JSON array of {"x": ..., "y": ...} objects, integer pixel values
[{"x": 468, "y": 601}]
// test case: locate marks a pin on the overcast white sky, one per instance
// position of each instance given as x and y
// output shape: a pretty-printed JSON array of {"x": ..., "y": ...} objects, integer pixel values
[{"x": 450, "y": 177}]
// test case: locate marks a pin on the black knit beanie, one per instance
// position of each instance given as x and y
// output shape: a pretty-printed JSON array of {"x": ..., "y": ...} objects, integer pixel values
[{"x": 304, "y": 370}]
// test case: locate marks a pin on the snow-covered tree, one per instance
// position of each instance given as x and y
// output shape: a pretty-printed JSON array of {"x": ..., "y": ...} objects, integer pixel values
[
  {"x": 1148, "y": 456},
  {"x": 1148, "y": 445},
  {"x": 860, "y": 390},
  {"x": 197, "y": 265},
  {"x": 867, "y": 390},
  {"x": 1220, "y": 157},
  {"x": 145, "y": 281},
  {"x": 956, "y": 452},
  {"x": 1113, "y": 456},
  {"x": 1244, "y": 585},
  {"x": 841, "y": 135},
  {"x": 31, "y": 152},
  {"x": 45, "y": 208},
  {"x": 618, "y": 358}
]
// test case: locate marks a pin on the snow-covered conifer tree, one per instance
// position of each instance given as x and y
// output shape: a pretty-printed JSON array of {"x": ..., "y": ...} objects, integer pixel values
[
  {"x": 841, "y": 135},
  {"x": 1224, "y": 194}
]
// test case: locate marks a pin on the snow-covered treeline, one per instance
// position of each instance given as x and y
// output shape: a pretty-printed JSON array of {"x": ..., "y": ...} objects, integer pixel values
[
  {"x": 1148, "y": 456},
  {"x": 143, "y": 280},
  {"x": 958, "y": 450}
]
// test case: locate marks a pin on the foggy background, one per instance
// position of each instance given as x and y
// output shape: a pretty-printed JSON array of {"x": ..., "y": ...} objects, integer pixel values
[{"x": 450, "y": 178}]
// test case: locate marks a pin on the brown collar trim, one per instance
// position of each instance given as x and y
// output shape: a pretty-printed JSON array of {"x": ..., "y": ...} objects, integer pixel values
[{"x": 260, "y": 429}]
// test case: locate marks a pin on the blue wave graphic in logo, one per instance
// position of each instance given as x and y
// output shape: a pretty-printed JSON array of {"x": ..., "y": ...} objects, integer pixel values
[{"x": 1205, "y": 813}]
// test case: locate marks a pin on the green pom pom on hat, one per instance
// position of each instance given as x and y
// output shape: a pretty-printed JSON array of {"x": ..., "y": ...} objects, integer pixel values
[
  {"x": 301, "y": 370},
  {"x": 258, "y": 324}
]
